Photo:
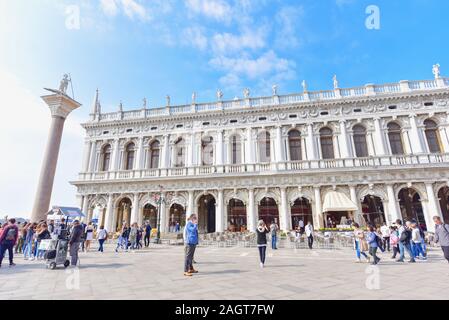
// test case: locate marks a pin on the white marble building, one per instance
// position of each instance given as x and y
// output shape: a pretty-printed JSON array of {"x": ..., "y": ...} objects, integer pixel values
[{"x": 371, "y": 153}]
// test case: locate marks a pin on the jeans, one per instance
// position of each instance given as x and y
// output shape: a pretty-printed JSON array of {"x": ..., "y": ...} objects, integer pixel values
[
  {"x": 74, "y": 248},
  {"x": 358, "y": 252},
  {"x": 28, "y": 250},
  {"x": 418, "y": 249},
  {"x": 101, "y": 242},
  {"x": 372, "y": 252},
  {"x": 7, "y": 245},
  {"x": 273, "y": 242},
  {"x": 446, "y": 252},
  {"x": 402, "y": 249},
  {"x": 310, "y": 241},
  {"x": 386, "y": 242},
  {"x": 262, "y": 253},
  {"x": 395, "y": 251},
  {"x": 147, "y": 240},
  {"x": 188, "y": 263}
]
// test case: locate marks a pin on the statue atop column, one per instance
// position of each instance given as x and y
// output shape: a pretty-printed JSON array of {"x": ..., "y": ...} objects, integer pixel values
[
  {"x": 219, "y": 95},
  {"x": 144, "y": 103},
  {"x": 193, "y": 97},
  {"x": 274, "y": 90},
  {"x": 436, "y": 71},
  {"x": 167, "y": 98},
  {"x": 304, "y": 85},
  {"x": 64, "y": 84},
  {"x": 246, "y": 93}
]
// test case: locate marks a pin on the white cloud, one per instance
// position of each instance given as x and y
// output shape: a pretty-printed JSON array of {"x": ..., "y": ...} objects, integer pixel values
[
  {"x": 109, "y": 7},
  {"x": 216, "y": 9},
  {"x": 249, "y": 39},
  {"x": 194, "y": 36},
  {"x": 24, "y": 127},
  {"x": 131, "y": 8},
  {"x": 287, "y": 20}
]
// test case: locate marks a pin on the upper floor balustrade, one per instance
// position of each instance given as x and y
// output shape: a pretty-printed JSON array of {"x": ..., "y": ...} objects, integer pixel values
[{"x": 378, "y": 162}]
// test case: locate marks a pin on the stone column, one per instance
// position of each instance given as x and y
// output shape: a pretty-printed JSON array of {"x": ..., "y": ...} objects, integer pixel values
[
  {"x": 286, "y": 221},
  {"x": 108, "y": 224},
  {"x": 311, "y": 150},
  {"x": 353, "y": 194},
  {"x": 344, "y": 144},
  {"x": 86, "y": 156},
  {"x": 135, "y": 209},
  {"x": 250, "y": 146},
  {"x": 85, "y": 206},
  {"x": 378, "y": 138},
  {"x": 92, "y": 156},
  {"x": 164, "y": 152},
  {"x": 278, "y": 146},
  {"x": 444, "y": 138},
  {"x": 251, "y": 214},
  {"x": 393, "y": 208},
  {"x": 139, "y": 155},
  {"x": 190, "y": 204},
  {"x": 416, "y": 141},
  {"x": 219, "y": 212},
  {"x": 115, "y": 155},
  {"x": 219, "y": 149},
  {"x": 60, "y": 107},
  {"x": 433, "y": 208},
  {"x": 318, "y": 216},
  {"x": 163, "y": 215}
]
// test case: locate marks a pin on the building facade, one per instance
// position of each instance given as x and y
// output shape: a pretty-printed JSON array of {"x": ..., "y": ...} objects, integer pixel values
[{"x": 374, "y": 153}]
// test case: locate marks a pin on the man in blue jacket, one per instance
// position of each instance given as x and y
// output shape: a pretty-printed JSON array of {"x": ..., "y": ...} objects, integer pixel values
[{"x": 191, "y": 241}]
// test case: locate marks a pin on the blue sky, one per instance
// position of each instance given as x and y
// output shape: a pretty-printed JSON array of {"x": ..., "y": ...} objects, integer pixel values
[{"x": 133, "y": 49}]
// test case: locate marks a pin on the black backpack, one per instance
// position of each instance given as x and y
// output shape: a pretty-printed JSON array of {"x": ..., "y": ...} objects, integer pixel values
[
  {"x": 379, "y": 242},
  {"x": 406, "y": 236}
]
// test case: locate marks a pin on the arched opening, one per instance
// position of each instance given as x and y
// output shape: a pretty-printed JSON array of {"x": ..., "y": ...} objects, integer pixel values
[
  {"x": 411, "y": 207},
  {"x": 395, "y": 138},
  {"x": 327, "y": 143},
  {"x": 236, "y": 150},
  {"x": 106, "y": 158},
  {"x": 154, "y": 155},
  {"x": 129, "y": 156},
  {"x": 443, "y": 195},
  {"x": 236, "y": 216},
  {"x": 359, "y": 136},
  {"x": 206, "y": 214},
  {"x": 207, "y": 151},
  {"x": 301, "y": 210},
  {"x": 432, "y": 136},
  {"x": 150, "y": 215},
  {"x": 294, "y": 144},
  {"x": 268, "y": 211},
  {"x": 123, "y": 214},
  {"x": 263, "y": 143},
  {"x": 373, "y": 210},
  {"x": 177, "y": 219},
  {"x": 179, "y": 154}
]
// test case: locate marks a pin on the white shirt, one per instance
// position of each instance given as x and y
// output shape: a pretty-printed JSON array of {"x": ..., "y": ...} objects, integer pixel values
[
  {"x": 301, "y": 224},
  {"x": 102, "y": 234},
  {"x": 309, "y": 230},
  {"x": 416, "y": 236},
  {"x": 385, "y": 231}
]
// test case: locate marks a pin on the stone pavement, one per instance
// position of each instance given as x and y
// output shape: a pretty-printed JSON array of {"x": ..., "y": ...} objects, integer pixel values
[{"x": 227, "y": 273}]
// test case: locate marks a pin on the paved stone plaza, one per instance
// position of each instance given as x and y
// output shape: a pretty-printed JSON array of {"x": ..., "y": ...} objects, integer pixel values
[{"x": 228, "y": 273}]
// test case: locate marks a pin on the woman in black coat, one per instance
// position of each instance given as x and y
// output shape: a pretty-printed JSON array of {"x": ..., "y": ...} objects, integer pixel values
[{"x": 261, "y": 233}]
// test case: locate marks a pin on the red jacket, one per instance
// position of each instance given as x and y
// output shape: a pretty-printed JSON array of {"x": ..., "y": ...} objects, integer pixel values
[{"x": 5, "y": 232}]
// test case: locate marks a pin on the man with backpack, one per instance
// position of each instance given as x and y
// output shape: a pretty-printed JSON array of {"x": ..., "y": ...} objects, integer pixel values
[
  {"x": 442, "y": 236},
  {"x": 8, "y": 239},
  {"x": 405, "y": 237}
]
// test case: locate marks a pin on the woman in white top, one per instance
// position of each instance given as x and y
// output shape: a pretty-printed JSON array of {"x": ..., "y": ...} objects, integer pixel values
[
  {"x": 89, "y": 235},
  {"x": 360, "y": 243}
]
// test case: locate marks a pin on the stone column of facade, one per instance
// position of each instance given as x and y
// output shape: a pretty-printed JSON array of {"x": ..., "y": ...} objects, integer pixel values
[
  {"x": 444, "y": 137},
  {"x": 190, "y": 204},
  {"x": 86, "y": 156},
  {"x": 108, "y": 224},
  {"x": 191, "y": 150},
  {"x": 344, "y": 144},
  {"x": 163, "y": 216},
  {"x": 279, "y": 149},
  {"x": 393, "y": 209},
  {"x": 311, "y": 150},
  {"x": 219, "y": 219},
  {"x": 433, "y": 209},
  {"x": 90, "y": 215},
  {"x": 379, "y": 143},
  {"x": 219, "y": 150},
  {"x": 115, "y": 155},
  {"x": 92, "y": 156},
  {"x": 164, "y": 152},
  {"x": 353, "y": 194},
  {"x": 139, "y": 155},
  {"x": 60, "y": 107},
  {"x": 415, "y": 137},
  {"x": 85, "y": 207},
  {"x": 135, "y": 209},
  {"x": 285, "y": 223},
  {"x": 251, "y": 214},
  {"x": 318, "y": 216}
]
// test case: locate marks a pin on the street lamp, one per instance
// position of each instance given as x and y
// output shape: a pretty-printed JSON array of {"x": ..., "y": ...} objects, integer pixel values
[{"x": 159, "y": 199}]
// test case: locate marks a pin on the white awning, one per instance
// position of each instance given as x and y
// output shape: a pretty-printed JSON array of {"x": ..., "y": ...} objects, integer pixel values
[{"x": 338, "y": 201}]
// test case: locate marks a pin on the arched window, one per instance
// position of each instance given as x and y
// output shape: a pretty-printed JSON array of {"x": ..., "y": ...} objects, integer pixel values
[
  {"x": 294, "y": 143},
  {"x": 394, "y": 136},
  {"x": 207, "y": 151},
  {"x": 236, "y": 150},
  {"x": 106, "y": 158},
  {"x": 263, "y": 141},
  {"x": 154, "y": 154},
  {"x": 327, "y": 143},
  {"x": 361, "y": 148},
  {"x": 433, "y": 140},
  {"x": 179, "y": 159},
  {"x": 129, "y": 157}
]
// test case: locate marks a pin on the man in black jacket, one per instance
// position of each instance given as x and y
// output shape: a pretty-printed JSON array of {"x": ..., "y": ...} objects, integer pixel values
[{"x": 75, "y": 240}]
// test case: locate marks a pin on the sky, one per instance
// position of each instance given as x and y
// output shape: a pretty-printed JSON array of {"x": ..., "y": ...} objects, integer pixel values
[{"x": 135, "y": 49}]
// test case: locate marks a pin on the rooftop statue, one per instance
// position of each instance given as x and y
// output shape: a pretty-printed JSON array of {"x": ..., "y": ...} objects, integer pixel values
[
  {"x": 144, "y": 103},
  {"x": 219, "y": 94},
  {"x": 436, "y": 71},
  {"x": 193, "y": 97},
  {"x": 274, "y": 89},
  {"x": 168, "y": 100},
  {"x": 335, "y": 82},
  {"x": 246, "y": 93},
  {"x": 304, "y": 85},
  {"x": 64, "y": 84}
]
